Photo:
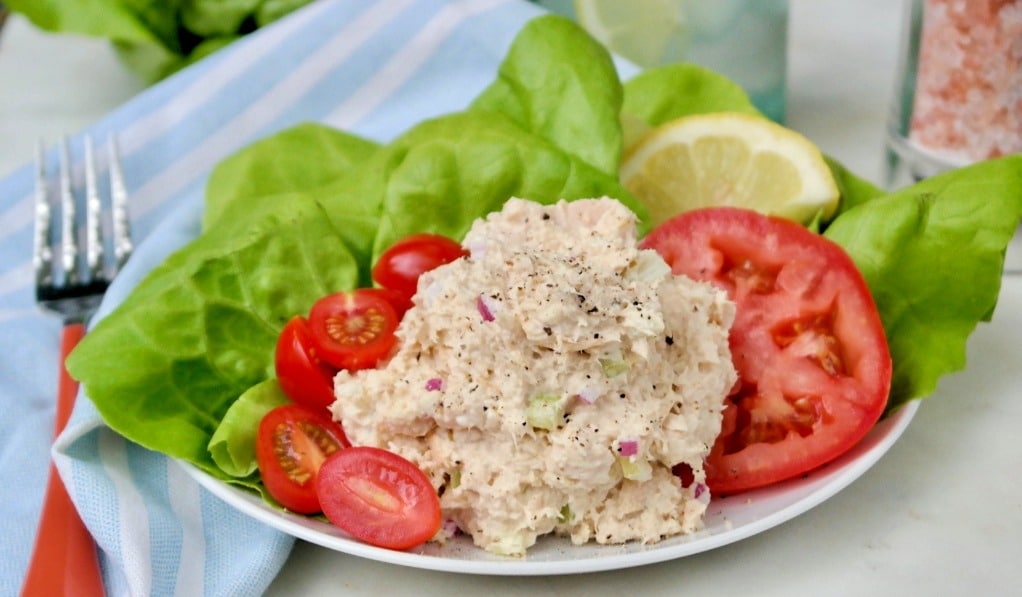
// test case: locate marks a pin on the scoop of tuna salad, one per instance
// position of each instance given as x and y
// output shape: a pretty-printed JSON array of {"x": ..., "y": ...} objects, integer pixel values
[{"x": 549, "y": 382}]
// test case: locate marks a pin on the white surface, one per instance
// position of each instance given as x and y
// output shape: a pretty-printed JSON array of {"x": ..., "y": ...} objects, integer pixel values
[
  {"x": 728, "y": 519},
  {"x": 940, "y": 514}
]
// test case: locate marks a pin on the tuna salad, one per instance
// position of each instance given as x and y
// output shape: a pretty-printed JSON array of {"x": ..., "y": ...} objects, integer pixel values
[{"x": 550, "y": 381}]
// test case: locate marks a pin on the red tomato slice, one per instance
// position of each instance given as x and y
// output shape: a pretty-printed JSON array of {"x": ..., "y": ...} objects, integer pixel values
[
  {"x": 379, "y": 497},
  {"x": 400, "y": 266},
  {"x": 812, "y": 359},
  {"x": 292, "y": 444},
  {"x": 302, "y": 376},
  {"x": 353, "y": 330}
]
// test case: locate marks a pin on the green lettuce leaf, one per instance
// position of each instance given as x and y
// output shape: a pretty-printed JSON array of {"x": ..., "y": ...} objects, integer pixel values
[
  {"x": 213, "y": 19},
  {"x": 665, "y": 93},
  {"x": 932, "y": 255},
  {"x": 118, "y": 21},
  {"x": 200, "y": 329},
  {"x": 574, "y": 108},
  {"x": 155, "y": 38},
  {"x": 232, "y": 446},
  {"x": 445, "y": 173},
  {"x": 298, "y": 159}
]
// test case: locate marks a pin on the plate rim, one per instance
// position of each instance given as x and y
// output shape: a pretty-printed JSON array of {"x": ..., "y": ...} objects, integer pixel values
[{"x": 836, "y": 476}]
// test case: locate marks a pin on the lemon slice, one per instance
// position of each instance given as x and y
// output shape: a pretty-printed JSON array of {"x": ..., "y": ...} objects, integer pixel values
[
  {"x": 732, "y": 159},
  {"x": 647, "y": 32}
]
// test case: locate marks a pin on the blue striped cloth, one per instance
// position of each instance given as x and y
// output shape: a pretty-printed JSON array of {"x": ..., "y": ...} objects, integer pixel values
[{"x": 370, "y": 67}]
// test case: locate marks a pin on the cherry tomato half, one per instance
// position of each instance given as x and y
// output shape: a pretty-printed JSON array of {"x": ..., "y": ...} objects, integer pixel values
[
  {"x": 293, "y": 442},
  {"x": 303, "y": 377},
  {"x": 400, "y": 266},
  {"x": 812, "y": 359},
  {"x": 400, "y": 302},
  {"x": 353, "y": 330},
  {"x": 379, "y": 497}
]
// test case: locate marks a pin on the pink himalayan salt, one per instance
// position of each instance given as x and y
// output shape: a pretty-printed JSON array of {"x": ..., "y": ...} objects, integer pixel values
[{"x": 968, "y": 103}]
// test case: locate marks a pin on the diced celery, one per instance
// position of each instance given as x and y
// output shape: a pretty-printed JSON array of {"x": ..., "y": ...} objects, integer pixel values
[
  {"x": 566, "y": 516},
  {"x": 510, "y": 545},
  {"x": 612, "y": 367},
  {"x": 635, "y": 468},
  {"x": 545, "y": 411}
]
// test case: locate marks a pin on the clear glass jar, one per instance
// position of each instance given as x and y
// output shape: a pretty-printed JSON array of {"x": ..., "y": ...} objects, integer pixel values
[{"x": 958, "y": 92}]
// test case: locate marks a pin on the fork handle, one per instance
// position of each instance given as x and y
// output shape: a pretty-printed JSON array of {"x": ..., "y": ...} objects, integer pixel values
[{"x": 64, "y": 558}]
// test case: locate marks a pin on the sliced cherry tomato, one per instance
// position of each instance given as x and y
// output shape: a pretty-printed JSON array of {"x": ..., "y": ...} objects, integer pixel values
[
  {"x": 353, "y": 330},
  {"x": 812, "y": 359},
  {"x": 304, "y": 378},
  {"x": 379, "y": 497},
  {"x": 293, "y": 442},
  {"x": 400, "y": 266},
  {"x": 400, "y": 302}
]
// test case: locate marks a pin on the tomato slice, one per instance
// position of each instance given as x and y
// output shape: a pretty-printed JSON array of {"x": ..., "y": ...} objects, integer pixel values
[
  {"x": 399, "y": 267},
  {"x": 353, "y": 330},
  {"x": 812, "y": 359},
  {"x": 379, "y": 497},
  {"x": 293, "y": 442},
  {"x": 303, "y": 377}
]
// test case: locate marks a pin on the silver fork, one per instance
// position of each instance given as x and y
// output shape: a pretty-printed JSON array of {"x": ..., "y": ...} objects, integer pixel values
[{"x": 64, "y": 557}]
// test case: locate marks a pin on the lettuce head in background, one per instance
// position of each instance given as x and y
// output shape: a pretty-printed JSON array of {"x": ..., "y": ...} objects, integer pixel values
[{"x": 156, "y": 38}]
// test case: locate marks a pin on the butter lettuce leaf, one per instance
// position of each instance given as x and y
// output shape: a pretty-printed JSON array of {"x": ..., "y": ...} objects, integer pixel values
[
  {"x": 233, "y": 444},
  {"x": 300, "y": 158},
  {"x": 200, "y": 329},
  {"x": 155, "y": 38},
  {"x": 572, "y": 101},
  {"x": 664, "y": 93},
  {"x": 447, "y": 172},
  {"x": 932, "y": 255}
]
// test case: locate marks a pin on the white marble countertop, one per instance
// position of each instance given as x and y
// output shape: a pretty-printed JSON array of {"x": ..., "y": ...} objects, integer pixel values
[{"x": 940, "y": 514}]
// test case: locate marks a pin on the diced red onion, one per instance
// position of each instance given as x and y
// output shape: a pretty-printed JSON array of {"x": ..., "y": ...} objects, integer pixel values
[
  {"x": 588, "y": 395},
  {"x": 477, "y": 250},
  {"x": 628, "y": 447},
  {"x": 448, "y": 530},
  {"x": 701, "y": 492},
  {"x": 434, "y": 384},
  {"x": 485, "y": 307}
]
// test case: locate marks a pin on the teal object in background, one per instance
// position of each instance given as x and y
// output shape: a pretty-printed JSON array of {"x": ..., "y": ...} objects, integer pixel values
[{"x": 745, "y": 40}]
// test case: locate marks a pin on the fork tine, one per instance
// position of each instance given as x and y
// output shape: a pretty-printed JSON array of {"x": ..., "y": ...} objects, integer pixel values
[
  {"x": 83, "y": 255},
  {"x": 93, "y": 236},
  {"x": 68, "y": 218},
  {"x": 42, "y": 253},
  {"x": 119, "y": 205}
]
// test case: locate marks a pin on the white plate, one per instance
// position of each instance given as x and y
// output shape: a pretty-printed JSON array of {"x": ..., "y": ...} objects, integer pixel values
[{"x": 728, "y": 520}]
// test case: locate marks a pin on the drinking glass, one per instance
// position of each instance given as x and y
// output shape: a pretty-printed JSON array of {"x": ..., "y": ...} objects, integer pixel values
[{"x": 745, "y": 40}]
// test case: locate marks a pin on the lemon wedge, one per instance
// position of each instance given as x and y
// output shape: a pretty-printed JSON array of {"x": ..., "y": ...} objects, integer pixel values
[
  {"x": 733, "y": 159},
  {"x": 647, "y": 32}
]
